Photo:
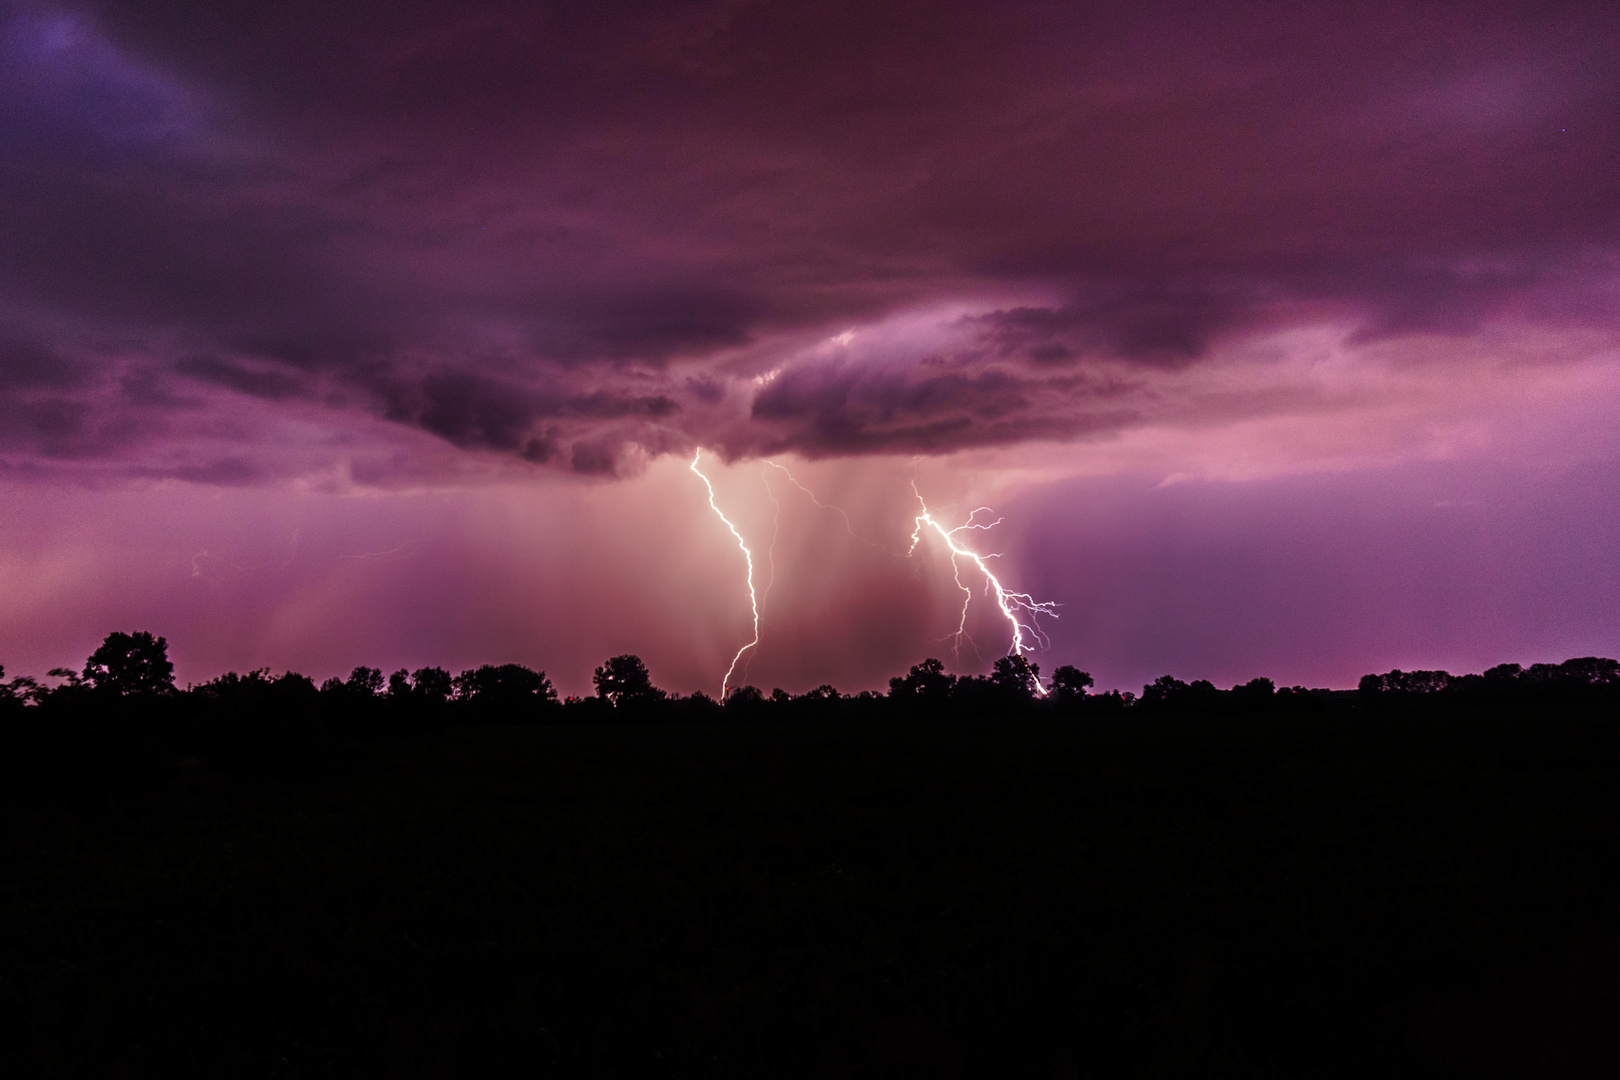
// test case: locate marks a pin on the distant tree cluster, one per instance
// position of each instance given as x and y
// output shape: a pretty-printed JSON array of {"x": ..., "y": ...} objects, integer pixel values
[
  {"x": 1584, "y": 678},
  {"x": 1167, "y": 694},
  {"x": 126, "y": 691}
]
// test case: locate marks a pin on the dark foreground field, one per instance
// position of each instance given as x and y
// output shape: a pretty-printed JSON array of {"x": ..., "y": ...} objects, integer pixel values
[{"x": 1287, "y": 896}]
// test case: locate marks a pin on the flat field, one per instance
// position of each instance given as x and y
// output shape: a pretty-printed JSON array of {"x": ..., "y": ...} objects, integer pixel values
[{"x": 1282, "y": 895}]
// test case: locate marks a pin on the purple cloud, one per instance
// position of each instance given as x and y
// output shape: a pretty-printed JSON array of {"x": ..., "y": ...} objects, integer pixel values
[{"x": 480, "y": 224}]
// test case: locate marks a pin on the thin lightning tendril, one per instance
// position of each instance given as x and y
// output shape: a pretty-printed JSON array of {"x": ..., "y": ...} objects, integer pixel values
[
  {"x": 839, "y": 510},
  {"x": 753, "y": 599},
  {"x": 1015, "y": 606}
]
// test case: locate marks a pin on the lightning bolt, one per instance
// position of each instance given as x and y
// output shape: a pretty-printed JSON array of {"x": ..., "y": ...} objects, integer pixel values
[
  {"x": 770, "y": 559},
  {"x": 753, "y": 599},
  {"x": 1015, "y": 606}
]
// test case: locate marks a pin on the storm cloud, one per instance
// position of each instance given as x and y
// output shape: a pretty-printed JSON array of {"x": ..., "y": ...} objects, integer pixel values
[{"x": 581, "y": 233}]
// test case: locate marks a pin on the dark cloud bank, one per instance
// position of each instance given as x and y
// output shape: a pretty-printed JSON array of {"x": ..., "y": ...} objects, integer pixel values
[{"x": 558, "y": 231}]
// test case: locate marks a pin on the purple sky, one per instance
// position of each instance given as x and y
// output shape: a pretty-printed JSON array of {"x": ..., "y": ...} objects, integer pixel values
[{"x": 1282, "y": 337}]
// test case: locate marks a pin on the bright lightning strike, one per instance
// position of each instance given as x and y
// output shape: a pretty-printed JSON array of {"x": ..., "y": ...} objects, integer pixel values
[
  {"x": 1016, "y": 607},
  {"x": 753, "y": 599},
  {"x": 770, "y": 561}
]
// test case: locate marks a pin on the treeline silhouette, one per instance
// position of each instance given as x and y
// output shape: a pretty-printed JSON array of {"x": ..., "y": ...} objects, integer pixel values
[{"x": 126, "y": 695}]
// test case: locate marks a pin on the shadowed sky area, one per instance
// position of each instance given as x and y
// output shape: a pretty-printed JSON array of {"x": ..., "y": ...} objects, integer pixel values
[{"x": 1218, "y": 305}]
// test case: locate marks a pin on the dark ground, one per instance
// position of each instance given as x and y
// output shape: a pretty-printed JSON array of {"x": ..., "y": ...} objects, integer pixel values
[{"x": 1290, "y": 896}]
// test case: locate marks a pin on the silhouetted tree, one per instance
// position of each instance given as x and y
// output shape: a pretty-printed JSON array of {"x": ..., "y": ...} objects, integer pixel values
[
  {"x": 1426, "y": 682},
  {"x": 26, "y": 690},
  {"x": 256, "y": 722},
  {"x": 822, "y": 703},
  {"x": 1401, "y": 687},
  {"x": 1540, "y": 673},
  {"x": 925, "y": 685},
  {"x": 20, "y": 692},
  {"x": 1589, "y": 671},
  {"x": 1110, "y": 702},
  {"x": 744, "y": 703},
  {"x": 1016, "y": 678},
  {"x": 504, "y": 692},
  {"x": 134, "y": 663},
  {"x": 10, "y": 701},
  {"x": 415, "y": 702},
  {"x": 588, "y": 710},
  {"x": 365, "y": 682},
  {"x": 1581, "y": 678},
  {"x": 624, "y": 679},
  {"x": 1168, "y": 694},
  {"x": 972, "y": 695},
  {"x": 1165, "y": 691},
  {"x": 399, "y": 684},
  {"x": 699, "y": 708},
  {"x": 356, "y": 706},
  {"x": 1256, "y": 694},
  {"x": 433, "y": 684},
  {"x": 1069, "y": 683}
]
